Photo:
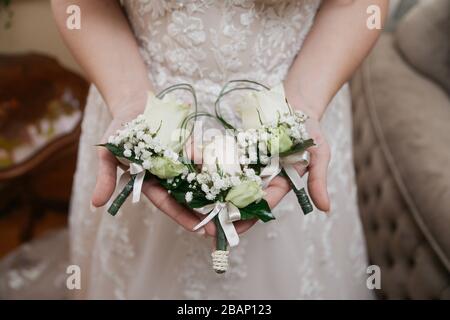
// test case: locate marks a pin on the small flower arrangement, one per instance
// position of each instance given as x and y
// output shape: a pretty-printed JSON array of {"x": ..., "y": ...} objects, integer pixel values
[
  {"x": 229, "y": 185},
  {"x": 225, "y": 191},
  {"x": 273, "y": 136},
  {"x": 151, "y": 144}
]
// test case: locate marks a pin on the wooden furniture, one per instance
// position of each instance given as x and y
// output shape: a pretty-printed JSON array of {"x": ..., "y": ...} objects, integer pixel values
[{"x": 41, "y": 106}]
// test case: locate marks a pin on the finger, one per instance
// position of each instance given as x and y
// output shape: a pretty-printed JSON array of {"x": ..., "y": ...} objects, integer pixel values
[
  {"x": 276, "y": 191},
  {"x": 106, "y": 178},
  {"x": 164, "y": 202},
  {"x": 210, "y": 229},
  {"x": 244, "y": 225},
  {"x": 301, "y": 169},
  {"x": 210, "y": 226},
  {"x": 317, "y": 179}
]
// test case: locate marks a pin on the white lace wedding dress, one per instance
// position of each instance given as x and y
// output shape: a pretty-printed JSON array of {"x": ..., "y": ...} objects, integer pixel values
[{"x": 143, "y": 254}]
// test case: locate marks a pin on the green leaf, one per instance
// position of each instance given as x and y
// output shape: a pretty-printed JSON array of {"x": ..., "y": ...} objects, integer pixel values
[
  {"x": 178, "y": 189},
  {"x": 302, "y": 146},
  {"x": 117, "y": 151},
  {"x": 260, "y": 210}
]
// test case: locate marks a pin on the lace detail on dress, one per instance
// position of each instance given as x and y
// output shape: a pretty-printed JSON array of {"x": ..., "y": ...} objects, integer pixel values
[{"x": 262, "y": 38}]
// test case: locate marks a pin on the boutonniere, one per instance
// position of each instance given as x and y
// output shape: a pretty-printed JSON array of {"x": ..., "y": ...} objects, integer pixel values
[
  {"x": 236, "y": 166},
  {"x": 151, "y": 144},
  {"x": 272, "y": 137},
  {"x": 223, "y": 191}
]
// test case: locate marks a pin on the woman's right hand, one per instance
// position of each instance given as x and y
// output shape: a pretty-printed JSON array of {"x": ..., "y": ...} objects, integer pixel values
[
  {"x": 107, "y": 177},
  {"x": 108, "y": 52},
  {"x": 107, "y": 164}
]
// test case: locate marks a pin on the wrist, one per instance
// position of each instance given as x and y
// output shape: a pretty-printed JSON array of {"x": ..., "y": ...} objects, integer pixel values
[
  {"x": 309, "y": 110},
  {"x": 129, "y": 105},
  {"x": 298, "y": 101}
]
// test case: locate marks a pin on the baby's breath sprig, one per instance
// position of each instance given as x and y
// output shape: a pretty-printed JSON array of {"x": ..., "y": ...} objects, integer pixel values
[
  {"x": 254, "y": 144},
  {"x": 141, "y": 147},
  {"x": 280, "y": 135}
]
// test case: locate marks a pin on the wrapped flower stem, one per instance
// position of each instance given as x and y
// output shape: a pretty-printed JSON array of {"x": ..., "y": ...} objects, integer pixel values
[
  {"x": 121, "y": 197},
  {"x": 152, "y": 143},
  {"x": 220, "y": 255},
  {"x": 302, "y": 197},
  {"x": 267, "y": 112}
]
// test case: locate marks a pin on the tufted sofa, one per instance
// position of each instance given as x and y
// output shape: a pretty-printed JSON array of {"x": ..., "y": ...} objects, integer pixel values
[{"x": 401, "y": 112}]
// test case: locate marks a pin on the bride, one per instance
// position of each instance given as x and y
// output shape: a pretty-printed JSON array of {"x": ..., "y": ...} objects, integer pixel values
[{"x": 149, "y": 251}]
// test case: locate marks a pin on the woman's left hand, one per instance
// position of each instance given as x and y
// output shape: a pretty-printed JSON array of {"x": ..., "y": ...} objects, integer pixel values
[{"x": 317, "y": 177}]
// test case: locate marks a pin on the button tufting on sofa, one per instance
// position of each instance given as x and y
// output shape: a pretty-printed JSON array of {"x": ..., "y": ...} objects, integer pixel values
[{"x": 403, "y": 195}]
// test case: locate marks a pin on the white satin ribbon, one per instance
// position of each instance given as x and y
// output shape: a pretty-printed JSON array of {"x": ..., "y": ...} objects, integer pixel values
[
  {"x": 276, "y": 164},
  {"x": 139, "y": 171},
  {"x": 287, "y": 163},
  {"x": 133, "y": 169},
  {"x": 227, "y": 213}
]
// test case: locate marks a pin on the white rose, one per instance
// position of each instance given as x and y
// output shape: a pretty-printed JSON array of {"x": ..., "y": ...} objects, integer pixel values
[
  {"x": 165, "y": 168},
  {"x": 167, "y": 114},
  {"x": 245, "y": 193},
  {"x": 222, "y": 151},
  {"x": 248, "y": 109},
  {"x": 265, "y": 106}
]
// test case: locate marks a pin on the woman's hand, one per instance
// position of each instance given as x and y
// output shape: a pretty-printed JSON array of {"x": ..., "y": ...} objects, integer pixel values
[
  {"x": 319, "y": 70},
  {"x": 107, "y": 50},
  {"x": 107, "y": 176},
  {"x": 318, "y": 166},
  {"x": 317, "y": 178},
  {"x": 107, "y": 164},
  {"x": 320, "y": 153}
]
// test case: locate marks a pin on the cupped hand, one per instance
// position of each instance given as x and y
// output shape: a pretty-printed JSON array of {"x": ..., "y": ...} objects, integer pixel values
[
  {"x": 317, "y": 177},
  {"x": 107, "y": 165},
  {"x": 107, "y": 175},
  {"x": 318, "y": 166},
  {"x": 276, "y": 190},
  {"x": 188, "y": 219}
]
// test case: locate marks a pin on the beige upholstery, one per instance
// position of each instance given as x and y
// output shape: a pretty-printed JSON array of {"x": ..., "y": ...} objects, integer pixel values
[
  {"x": 402, "y": 158},
  {"x": 423, "y": 38}
]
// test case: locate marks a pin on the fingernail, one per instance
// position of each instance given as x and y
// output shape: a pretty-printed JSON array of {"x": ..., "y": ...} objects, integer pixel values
[
  {"x": 200, "y": 232},
  {"x": 92, "y": 207}
]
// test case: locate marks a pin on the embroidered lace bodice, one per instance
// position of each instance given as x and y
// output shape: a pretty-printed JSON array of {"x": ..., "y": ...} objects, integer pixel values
[{"x": 209, "y": 42}]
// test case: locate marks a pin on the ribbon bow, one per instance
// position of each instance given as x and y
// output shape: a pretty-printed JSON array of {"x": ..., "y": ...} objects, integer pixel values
[
  {"x": 276, "y": 164},
  {"x": 139, "y": 172},
  {"x": 228, "y": 213},
  {"x": 287, "y": 163}
]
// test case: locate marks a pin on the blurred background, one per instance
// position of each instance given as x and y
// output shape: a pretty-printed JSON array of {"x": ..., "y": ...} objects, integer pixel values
[{"x": 401, "y": 147}]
